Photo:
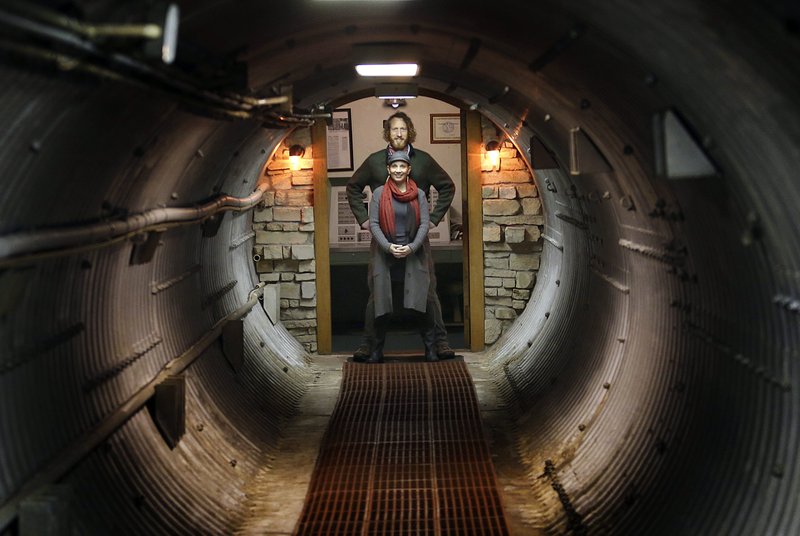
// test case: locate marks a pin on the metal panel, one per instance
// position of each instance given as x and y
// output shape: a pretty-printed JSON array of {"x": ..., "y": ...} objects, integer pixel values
[{"x": 169, "y": 409}]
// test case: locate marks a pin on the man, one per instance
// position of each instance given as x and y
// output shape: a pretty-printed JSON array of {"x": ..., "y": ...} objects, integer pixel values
[{"x": 399, "y": 132}]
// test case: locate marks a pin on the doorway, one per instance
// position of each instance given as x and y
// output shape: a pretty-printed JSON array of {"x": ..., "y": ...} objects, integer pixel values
[{"x": 349, "y": 246}]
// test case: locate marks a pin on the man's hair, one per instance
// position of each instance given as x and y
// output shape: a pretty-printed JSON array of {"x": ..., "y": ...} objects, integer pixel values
[{"x": 412, "y": 133}]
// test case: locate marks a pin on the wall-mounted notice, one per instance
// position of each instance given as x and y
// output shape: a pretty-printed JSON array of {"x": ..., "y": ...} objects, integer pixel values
[
  {"x": 344, "y": 229},
  {"x": 340, "y": 141}
]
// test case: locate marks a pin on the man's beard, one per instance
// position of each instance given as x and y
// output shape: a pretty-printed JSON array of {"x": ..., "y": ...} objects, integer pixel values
[{"x": 399, "y": 144}]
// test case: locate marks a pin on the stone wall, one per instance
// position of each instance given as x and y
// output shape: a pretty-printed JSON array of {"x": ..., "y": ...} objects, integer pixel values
[
  {"x": 512, "y": 243},
  {"x": 284, "y": 227}
]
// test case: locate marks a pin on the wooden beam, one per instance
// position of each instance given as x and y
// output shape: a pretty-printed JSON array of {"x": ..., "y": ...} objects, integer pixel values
[
  {"x": 473, "y": 232},
  {"x": 322, "y": 254}
]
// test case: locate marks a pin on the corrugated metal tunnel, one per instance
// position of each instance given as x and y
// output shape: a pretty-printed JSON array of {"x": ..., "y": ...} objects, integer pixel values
[{"x": 654, "y": 371}]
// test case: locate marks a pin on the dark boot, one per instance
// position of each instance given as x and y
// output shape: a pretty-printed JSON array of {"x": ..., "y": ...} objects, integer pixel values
[
  {"x": 429, "y": 339},
  {"x": 444, "y": 350},
  {"x": 361, "y": 354},
  {"x": 376, "y": 344},
  {"x": 434, "y": 315}
]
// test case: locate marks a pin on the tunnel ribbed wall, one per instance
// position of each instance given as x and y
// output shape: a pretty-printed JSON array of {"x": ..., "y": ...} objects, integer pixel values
[
  {"x": 89, "y": 330},
  {"x": 661, "y": 381},
  {"x": 654, "y": 372}
]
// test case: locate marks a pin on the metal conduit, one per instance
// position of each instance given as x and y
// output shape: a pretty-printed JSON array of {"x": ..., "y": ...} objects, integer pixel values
[
  {"x": 654, "y": 373},
  {"x": 19, "y": 248},
  {"x": 79, "y": 38}
]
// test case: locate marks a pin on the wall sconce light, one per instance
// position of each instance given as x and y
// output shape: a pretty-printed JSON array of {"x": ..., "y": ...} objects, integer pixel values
[
  {"x": 493, "y": 153},
  {"x": 296, "y": 152}
]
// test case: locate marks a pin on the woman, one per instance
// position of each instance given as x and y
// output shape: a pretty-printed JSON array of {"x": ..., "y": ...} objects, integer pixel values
[{"x": 399, "y": 221}]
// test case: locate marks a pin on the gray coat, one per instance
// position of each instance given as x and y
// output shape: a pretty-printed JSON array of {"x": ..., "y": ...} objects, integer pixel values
[{"x": 417, "y": 278}]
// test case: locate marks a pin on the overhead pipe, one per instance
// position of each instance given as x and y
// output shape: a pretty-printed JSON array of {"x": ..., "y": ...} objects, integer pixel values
[
  {"x": 69, "y": 33},
  {"x": 19, "y": 248}
]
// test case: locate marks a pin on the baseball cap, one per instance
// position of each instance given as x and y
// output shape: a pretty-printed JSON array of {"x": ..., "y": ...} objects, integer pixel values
[{"x": 398, "y": 155}]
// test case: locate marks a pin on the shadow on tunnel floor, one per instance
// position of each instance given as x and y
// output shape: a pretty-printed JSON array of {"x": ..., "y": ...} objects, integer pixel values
[{"x": 405, "y": 342}]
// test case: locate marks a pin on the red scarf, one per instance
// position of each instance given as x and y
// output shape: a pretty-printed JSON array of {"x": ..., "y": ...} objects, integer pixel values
[{"x": 386, "y": 210}]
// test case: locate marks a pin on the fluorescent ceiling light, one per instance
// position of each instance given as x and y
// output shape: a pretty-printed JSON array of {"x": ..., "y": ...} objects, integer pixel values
[{"x": 388, "y": 69}]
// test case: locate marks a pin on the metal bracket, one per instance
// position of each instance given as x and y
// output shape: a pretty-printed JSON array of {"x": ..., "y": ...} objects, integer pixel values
[
  {"x": 211, "y": 225},
  {"x": 541, "y": 157},
  {"x": 169, "y": 409},
  {"x": 584, "y": 156},
  {"x": 678, "y": 155},
  {"x": 144, "y": 246},
  {"x": 233, "y": 343}
]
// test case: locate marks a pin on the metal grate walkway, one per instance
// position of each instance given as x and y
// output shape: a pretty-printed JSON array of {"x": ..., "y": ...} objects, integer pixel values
[{"x": 404, "y": 453}]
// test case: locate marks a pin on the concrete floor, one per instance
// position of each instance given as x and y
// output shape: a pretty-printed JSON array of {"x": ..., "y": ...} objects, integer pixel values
[{"x": 277, "y": 493}]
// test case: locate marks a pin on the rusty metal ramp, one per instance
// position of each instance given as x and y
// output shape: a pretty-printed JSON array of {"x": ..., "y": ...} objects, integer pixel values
[{"x": 404, "y": 453}]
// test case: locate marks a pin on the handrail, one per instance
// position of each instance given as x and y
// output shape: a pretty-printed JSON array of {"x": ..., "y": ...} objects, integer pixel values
[
  {"x": 86, "y": 443},
  {"x": 22, "y": 247}
]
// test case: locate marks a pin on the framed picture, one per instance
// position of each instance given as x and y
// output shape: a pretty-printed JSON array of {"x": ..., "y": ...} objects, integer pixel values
[
  {"x": 340, "y": 141},
  {"x": 445, "y": 128}
]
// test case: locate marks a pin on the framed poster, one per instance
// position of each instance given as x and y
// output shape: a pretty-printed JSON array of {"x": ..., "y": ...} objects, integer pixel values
[
  {"x": 340, "y": 141},
  {"x": 445, "y": 128}
]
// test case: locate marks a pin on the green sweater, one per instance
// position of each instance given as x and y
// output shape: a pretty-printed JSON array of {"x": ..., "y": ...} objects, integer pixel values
[{"x": 424, "y": 170}]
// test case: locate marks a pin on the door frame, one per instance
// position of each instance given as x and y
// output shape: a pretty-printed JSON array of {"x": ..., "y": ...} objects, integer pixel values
[
  {"x": 472, "y": 226},
  {"x": 472, "y": 217},
  {"x": 322, "y": 252}
]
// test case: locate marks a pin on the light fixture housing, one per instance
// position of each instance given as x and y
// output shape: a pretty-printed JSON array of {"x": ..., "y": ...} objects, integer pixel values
[
  {"x": 396, "y": 91},
  {"x": 165, "y": 44},
  {"x": 394, "y": 103},
  {"x": 169, "y": 44},
  {"x": 493, "y": 153}
]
